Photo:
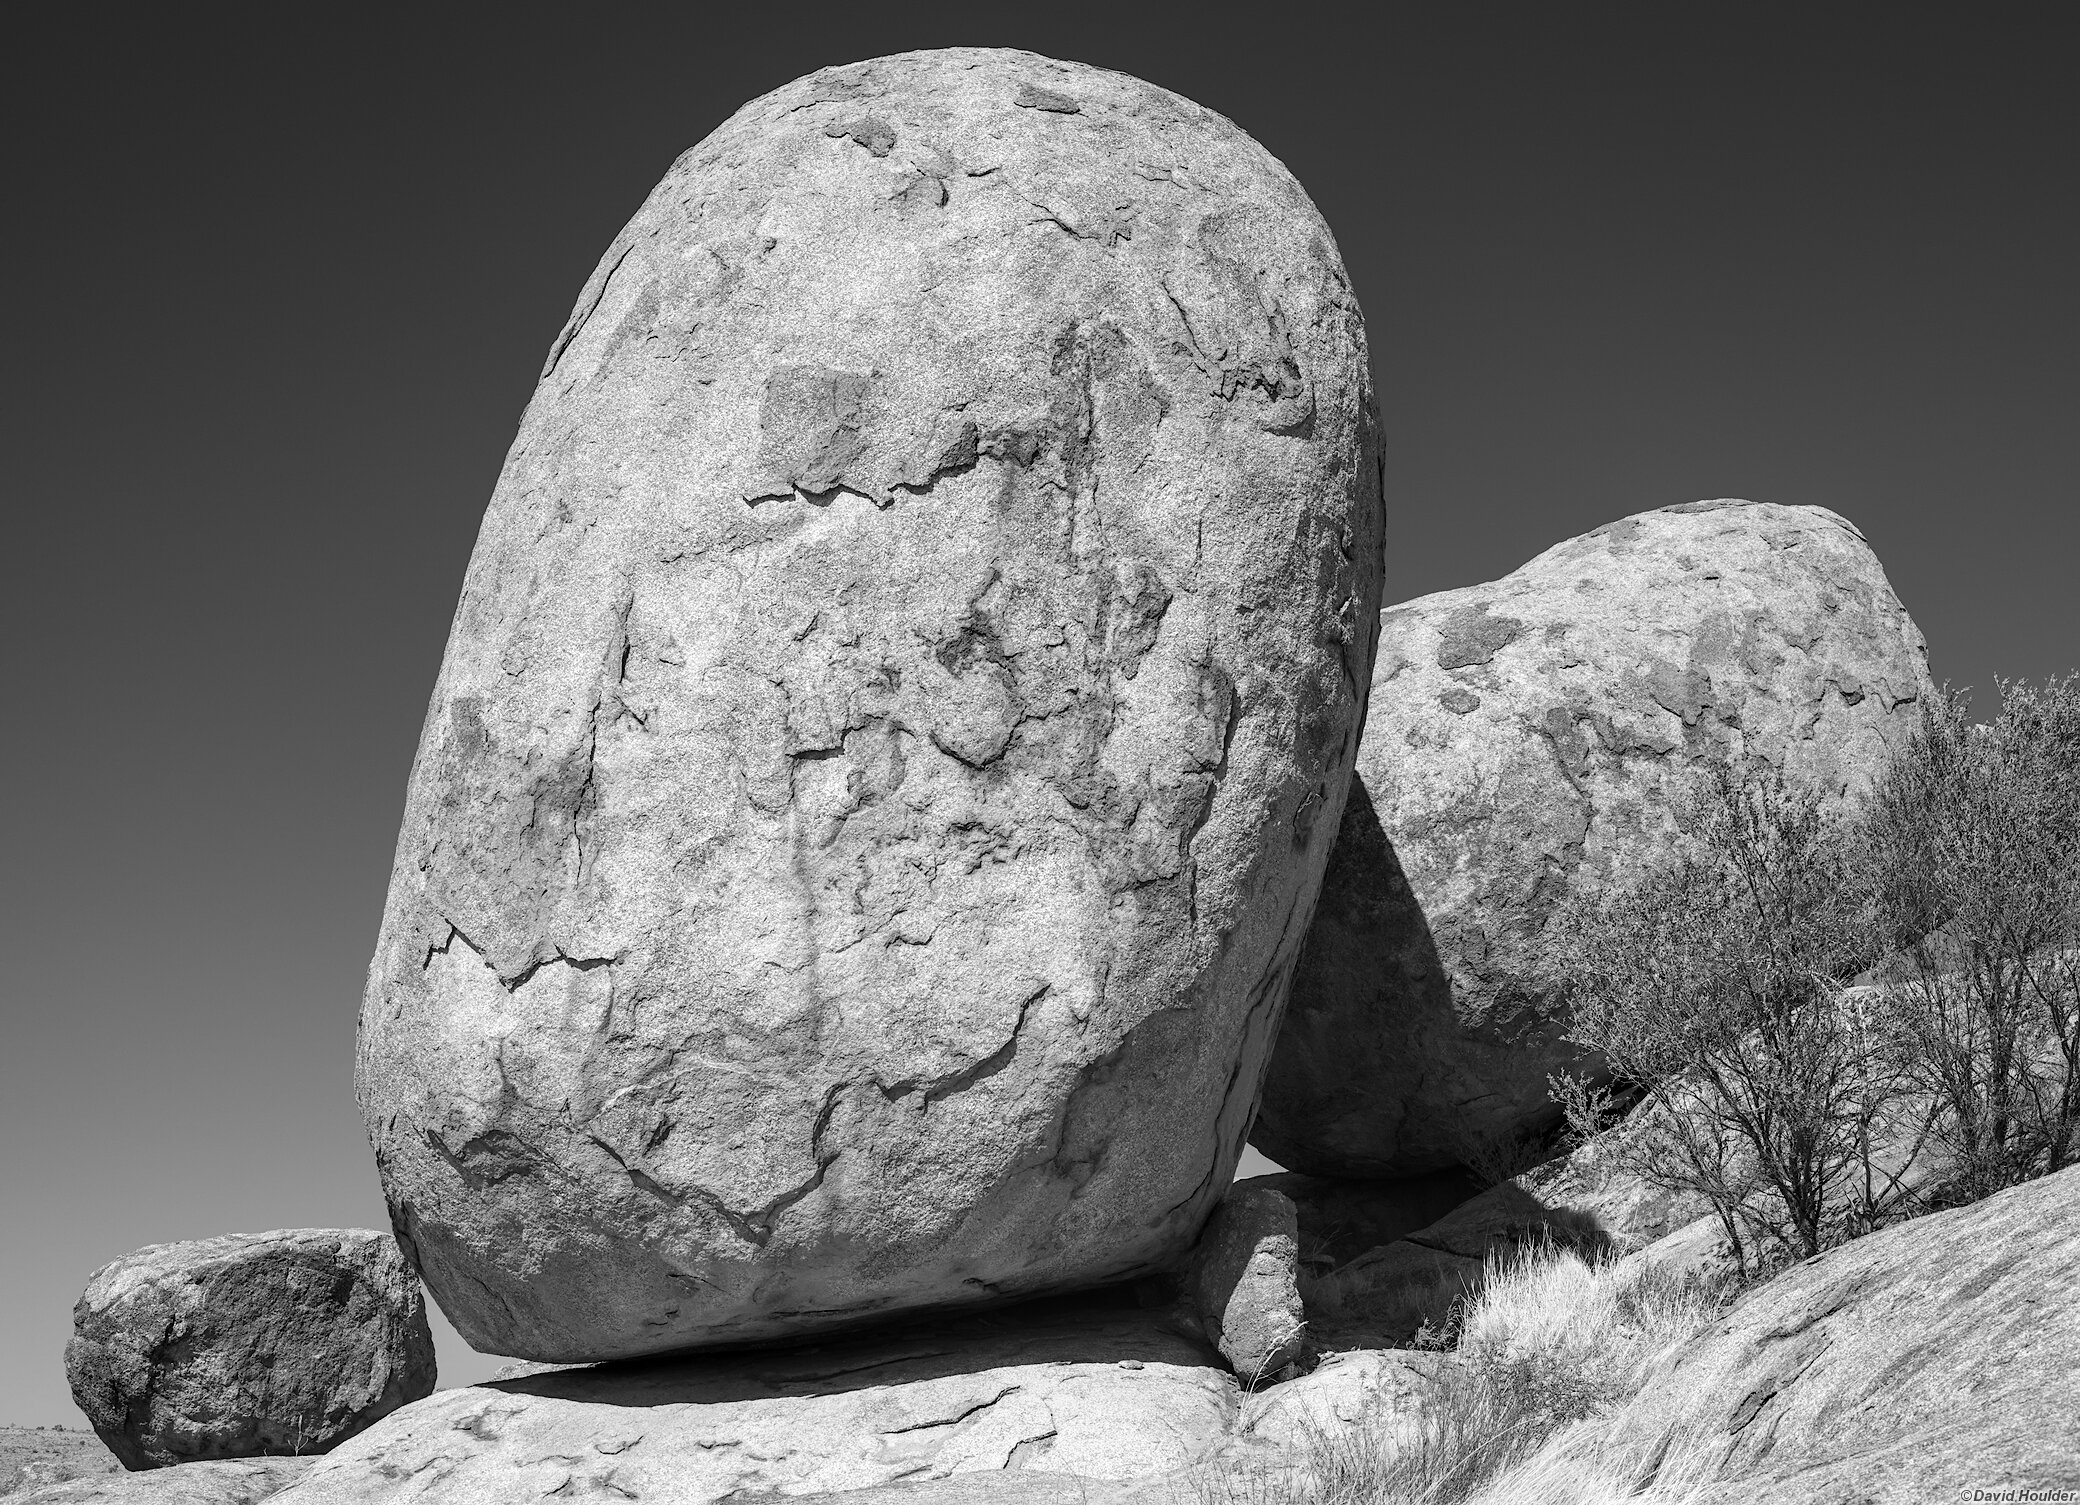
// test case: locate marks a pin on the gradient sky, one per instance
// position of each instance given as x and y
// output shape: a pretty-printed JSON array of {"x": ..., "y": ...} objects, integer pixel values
[{"x": 279, "y": 289}]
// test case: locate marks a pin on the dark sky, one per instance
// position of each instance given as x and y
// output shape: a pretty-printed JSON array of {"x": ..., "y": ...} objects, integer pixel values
[{"x": 280, "y": 279}]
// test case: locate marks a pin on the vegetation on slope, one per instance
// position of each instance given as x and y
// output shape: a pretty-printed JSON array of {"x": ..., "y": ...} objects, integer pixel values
[{"x": 1822, "y": 1021}]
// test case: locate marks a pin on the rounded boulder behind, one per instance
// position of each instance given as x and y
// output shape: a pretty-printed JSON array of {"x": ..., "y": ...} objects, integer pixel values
[{"x": 1529, "y": 740}]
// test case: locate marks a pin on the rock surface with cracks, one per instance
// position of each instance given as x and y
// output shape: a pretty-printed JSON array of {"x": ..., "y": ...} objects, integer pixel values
[
  {"x": 899, "y": 708},
  {"x": 1528, "y": 739},
  {"x": 1932, "y": 1360},
  {"x": 1068, "y": 1387}
]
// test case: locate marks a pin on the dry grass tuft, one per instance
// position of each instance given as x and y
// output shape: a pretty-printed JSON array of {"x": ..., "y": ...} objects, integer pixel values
[{"x": 1547, "y": 1341}]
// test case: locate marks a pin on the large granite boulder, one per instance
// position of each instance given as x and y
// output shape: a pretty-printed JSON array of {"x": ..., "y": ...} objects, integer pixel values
[
  {"x": 245, "y": 1345},
  {"x": 1925, "y": 1362},
  {"x": 899, "y": 708},
  {"x": 1528, "y": 740},
  {"x": 1074, "y": 1386}
]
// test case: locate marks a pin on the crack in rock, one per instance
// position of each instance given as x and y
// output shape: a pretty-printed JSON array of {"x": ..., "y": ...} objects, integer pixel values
[
  {"x": 937, "y": 1089},
  {"x": 958, "y": 1417}
]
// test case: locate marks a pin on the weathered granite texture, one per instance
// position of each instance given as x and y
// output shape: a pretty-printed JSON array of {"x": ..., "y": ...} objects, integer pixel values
[
  {"x": 1924, "y": 1362},
  {"x": 234, "y": 1347},
  {"x": 1529, "y": 739},
  {"x": 900, "y": 704}
]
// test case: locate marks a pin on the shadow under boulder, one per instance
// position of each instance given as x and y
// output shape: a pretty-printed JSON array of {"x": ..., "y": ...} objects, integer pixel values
[
  {"x": 1087, "y": 1386},
  {"x": 1579, "y": 1201},
  {"x": 1339, "y": 1220}
]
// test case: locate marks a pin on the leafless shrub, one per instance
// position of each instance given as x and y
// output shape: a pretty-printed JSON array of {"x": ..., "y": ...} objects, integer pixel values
[
  {"x": 1717, "y": 984},
  {"x": 1504, "y": 1155},
  {"x": 1974, "y": 845}
]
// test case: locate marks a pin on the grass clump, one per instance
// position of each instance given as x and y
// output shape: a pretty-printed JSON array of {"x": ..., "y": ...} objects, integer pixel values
[{"x": 1547, "y": 1339}]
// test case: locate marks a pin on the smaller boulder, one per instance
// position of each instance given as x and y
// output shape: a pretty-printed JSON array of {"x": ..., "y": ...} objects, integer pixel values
[
  {"x": 1244, "y": 1281},
  {"x": 1347, "y": 1391},
  {"x": 243, "y": 1346}
]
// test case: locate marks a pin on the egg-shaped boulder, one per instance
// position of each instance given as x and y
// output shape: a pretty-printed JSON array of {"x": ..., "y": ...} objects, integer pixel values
[
  {"x": 1530, "y": 740},
  {"x": 899, "y": 708}
]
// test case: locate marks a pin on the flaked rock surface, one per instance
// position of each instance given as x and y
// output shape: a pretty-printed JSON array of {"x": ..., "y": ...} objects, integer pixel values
[
  {"x": 899, "y": 707},
  {"x": 1529, "y": 739},
  {"x": 248, "y": 1344},
  {"x": 220, "y": 1481},
  {"x": 1924, "y": 1362},
  {"x": 1069, "y": 1387}
]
